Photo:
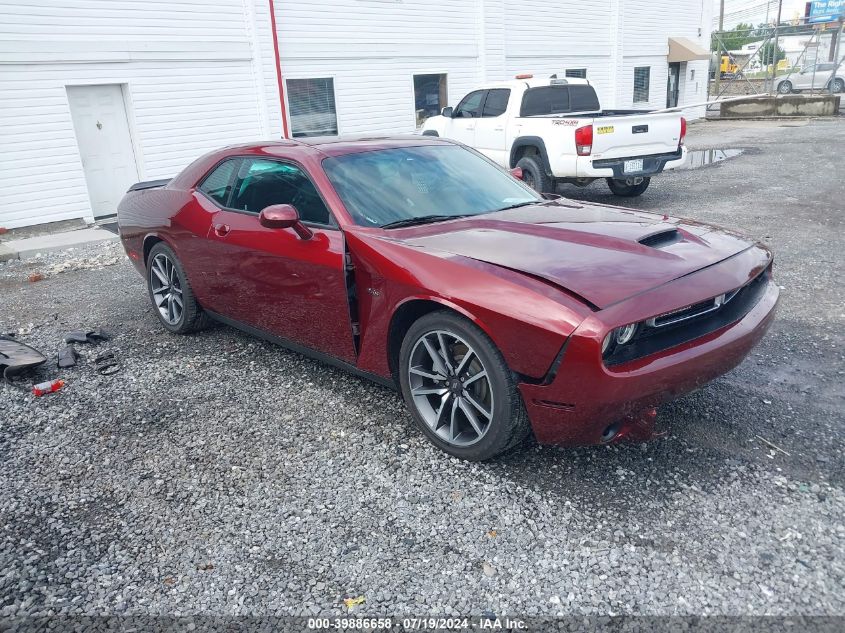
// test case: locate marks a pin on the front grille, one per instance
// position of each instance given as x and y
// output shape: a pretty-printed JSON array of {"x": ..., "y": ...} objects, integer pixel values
[{"x": 691, "y": 322}]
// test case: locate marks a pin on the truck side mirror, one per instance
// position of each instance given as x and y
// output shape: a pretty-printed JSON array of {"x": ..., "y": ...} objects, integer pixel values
[{"x": 447, "y": 112}]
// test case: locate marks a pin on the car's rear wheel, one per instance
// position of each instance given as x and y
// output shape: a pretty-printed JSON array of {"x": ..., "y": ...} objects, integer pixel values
[
  {"x": 838, "y": 85},
  {"x": 785, "y": 87},
  {"x": 534, "y": 175},
  {"x": 171, "y": 293},
  {"x": 460, "y": 392},
  {"x": 621, "y": 188}
]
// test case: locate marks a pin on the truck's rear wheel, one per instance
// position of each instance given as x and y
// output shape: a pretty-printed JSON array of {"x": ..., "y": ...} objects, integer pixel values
[
  {"x": 621, "y": 188},
  {"x": 534, "y": 175}
]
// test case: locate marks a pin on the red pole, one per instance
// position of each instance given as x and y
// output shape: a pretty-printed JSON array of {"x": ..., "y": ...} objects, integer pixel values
[{"x": 285, "y": 131}]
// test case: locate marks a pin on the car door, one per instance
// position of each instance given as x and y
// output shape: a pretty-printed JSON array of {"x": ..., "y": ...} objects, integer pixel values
[
  {"x": 271, "y": 279},
  {"x": 465, "y": 117},
  {"x": 823, "y": 74},
  {"x": 804, "y": 79},
  {"x": 490, "y": 134}
]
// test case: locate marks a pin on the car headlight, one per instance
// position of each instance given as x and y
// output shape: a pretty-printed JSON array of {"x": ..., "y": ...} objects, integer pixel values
[
  {"x": 625, "y": 333},
  {"x": 619, "y": 336}
]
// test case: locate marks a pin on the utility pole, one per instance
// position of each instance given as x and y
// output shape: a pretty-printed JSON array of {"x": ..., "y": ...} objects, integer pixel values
[
  {"x": 775, "y": 47},
  {"x": 718, "y": 74}
]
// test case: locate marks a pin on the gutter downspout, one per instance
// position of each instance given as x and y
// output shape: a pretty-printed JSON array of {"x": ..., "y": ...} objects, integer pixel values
[{"x": 285, "y": 131}]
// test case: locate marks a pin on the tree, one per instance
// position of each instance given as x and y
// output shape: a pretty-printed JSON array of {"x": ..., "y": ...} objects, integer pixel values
[
  {"x": 735, "y": 38},
  {"x": 768, "y": 55}
]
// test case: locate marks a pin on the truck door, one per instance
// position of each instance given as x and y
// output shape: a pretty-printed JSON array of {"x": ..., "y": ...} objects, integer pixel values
[
  {"x": 490, "y": 134},
  {"x": 465, "y": 117}
]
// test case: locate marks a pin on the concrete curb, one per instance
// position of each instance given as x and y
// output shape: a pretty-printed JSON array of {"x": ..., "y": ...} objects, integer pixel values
[{"x": 29, "y": 247}]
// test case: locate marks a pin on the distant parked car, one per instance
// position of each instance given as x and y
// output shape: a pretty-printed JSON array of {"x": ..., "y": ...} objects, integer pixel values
[
  {"x": 420, "y": 264},
  {"x": 814, "y": 77}
]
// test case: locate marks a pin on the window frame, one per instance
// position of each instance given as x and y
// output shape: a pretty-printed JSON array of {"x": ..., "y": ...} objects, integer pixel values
[
  {"x": 288, "y": 110},
  {"x": 647, "y": 85},
  {"x": 240, "y": 158},
  {"x": 414, "y": 75},
  {"x": 483, "y": 92}
]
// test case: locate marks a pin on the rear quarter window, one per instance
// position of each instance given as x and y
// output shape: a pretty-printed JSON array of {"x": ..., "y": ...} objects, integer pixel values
[{"x": 218, "y": 184}]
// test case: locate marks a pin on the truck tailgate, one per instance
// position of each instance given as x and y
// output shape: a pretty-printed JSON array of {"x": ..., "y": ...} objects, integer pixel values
[{"x": 626, "y": 135}]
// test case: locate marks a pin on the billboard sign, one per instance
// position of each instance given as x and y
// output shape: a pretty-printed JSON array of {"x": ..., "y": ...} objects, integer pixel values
[{"x": 826, "y": 11}]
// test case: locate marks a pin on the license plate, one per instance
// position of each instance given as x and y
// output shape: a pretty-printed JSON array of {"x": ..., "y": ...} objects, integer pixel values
[{"x": 633, "y": 165}]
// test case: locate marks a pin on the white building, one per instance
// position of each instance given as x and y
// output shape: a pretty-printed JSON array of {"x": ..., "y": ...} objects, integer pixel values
[{"x": 97, "y": 94}]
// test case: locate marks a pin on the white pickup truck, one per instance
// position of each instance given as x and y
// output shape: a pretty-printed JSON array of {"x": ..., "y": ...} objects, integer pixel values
[{"x": 555, "y": 131}]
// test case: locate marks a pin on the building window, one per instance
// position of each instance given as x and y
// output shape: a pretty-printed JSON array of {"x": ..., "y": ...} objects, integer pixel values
[
  {"x": 429, "y": 96},
  {"x": 312, "y": 107},
  {"x": 577, "y": 72},
  {"x": 641, "y": 80}
]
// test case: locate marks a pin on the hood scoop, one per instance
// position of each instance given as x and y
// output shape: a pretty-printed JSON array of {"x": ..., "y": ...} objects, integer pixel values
[{"x": 662, "y": 239}]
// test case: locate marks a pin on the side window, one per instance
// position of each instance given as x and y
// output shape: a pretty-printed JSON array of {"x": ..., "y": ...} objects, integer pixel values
[
  {"x": 545, "y": 100},
  {"x": 470, "y": 106},
  {"x": 218, "y": 184},
  {"x": 823, "y": 68},
  {"x": 261, "y": 182},
  {"x": 497, "y": 102}
]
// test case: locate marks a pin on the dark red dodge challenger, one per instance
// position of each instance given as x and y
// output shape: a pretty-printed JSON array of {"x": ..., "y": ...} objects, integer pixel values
[{"x": 418, "y": 263}]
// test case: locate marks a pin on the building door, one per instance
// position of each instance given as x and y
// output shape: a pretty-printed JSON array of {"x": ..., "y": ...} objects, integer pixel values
[
  {"x": 105, "y": 144},
  {"x": 673, "y": 84}
]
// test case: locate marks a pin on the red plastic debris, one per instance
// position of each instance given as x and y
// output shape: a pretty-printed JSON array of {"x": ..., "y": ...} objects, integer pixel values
[
  {"x": 43, "y": 388},
  {"x": 3, "y": 230},
  {"x": 35, "y": 277}
]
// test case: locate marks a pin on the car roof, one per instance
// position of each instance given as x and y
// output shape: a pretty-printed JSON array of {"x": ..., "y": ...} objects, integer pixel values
[
  {"x": 334, "y": 145},
  {"x": 535, "y": 82}
]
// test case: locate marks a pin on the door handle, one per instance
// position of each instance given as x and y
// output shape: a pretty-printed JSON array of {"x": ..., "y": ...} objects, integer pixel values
[
  {"x": 498, "y": 129},
  {"x": 221, "y": 230}
]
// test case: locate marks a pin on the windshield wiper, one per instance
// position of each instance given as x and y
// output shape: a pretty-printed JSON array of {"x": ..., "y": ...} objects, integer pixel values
[
  {"x": 423, "y": 219},
  {"x": 520, "y": 204}
]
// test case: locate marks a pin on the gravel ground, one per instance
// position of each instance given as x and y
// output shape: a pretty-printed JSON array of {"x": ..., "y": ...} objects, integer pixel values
[{"x": 218, "y": 474}]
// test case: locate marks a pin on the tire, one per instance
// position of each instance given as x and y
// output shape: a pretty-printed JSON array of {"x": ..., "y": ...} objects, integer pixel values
[
  {"x": 489, "y": 403},
  {"x": 534, "y": 175},
  {"x": 838, "y": 85},
  {"x": 785, "y": 87},
  {"x": 619, "y": 188},
  {"x": 163, "y": 261}
]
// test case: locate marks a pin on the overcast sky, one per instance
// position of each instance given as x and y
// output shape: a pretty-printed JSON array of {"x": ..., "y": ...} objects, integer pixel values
[{"x": 754, "y": 11}]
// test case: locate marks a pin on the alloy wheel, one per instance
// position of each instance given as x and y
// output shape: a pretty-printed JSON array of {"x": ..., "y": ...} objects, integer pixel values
[
  {"x": 166, "y": 289},
  {"x": 450, "y": 388}
]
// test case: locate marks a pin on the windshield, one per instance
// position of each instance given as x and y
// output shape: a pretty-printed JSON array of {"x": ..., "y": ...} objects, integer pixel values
[{"x": 392, "y": 185}]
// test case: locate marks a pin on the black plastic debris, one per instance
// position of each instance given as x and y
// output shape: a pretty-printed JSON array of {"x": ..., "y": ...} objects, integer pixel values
[
  {"x": 67, "y": 356},
  {"x": 107, "y": 364},
  {"x": 16, "y": 357},
  {"x": 94, "y": 336}
]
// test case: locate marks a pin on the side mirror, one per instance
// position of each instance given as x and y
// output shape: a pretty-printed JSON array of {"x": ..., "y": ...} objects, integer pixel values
[
  {"x": 447, "y": 112},
  {"x": 284, "y": 216},
  {"x": 516, "y": 172}
]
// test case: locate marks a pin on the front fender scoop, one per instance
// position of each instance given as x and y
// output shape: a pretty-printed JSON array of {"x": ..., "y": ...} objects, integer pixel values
[{"x": 16, "y": 357}]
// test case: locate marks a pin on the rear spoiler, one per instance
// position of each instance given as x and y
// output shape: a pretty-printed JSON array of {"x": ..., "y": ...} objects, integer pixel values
[{"x": 149, "y": 184}]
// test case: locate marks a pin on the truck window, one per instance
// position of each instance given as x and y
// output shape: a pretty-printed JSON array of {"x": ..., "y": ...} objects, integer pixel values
[
  {"x": 496, "y": 103},
  {"x": 545, "y": 100},
  {"x": 470, "y": 106},
  {"x": 583, "y": 99}
]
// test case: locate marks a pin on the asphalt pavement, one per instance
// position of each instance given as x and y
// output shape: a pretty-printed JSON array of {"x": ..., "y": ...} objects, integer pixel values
[{"x": 218, "y": 474}]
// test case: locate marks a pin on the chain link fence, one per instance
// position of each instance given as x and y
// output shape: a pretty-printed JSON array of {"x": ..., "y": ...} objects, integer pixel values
[{"x": 783, "y": 59}]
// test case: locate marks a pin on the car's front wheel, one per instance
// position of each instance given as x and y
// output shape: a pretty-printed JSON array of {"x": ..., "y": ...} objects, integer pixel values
[
  {"x": 785, "y": 87},
  {"x": 170, "y": 292},
  {"x": 621, "y": 188},
  {"x": 460, "y": 392}
]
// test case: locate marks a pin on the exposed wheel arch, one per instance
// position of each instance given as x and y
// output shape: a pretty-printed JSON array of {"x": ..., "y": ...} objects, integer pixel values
[
  {"x": 149, "y": 242},
  {"x": 404, "y": 317},
  {"x": 530, "y": 146}
]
